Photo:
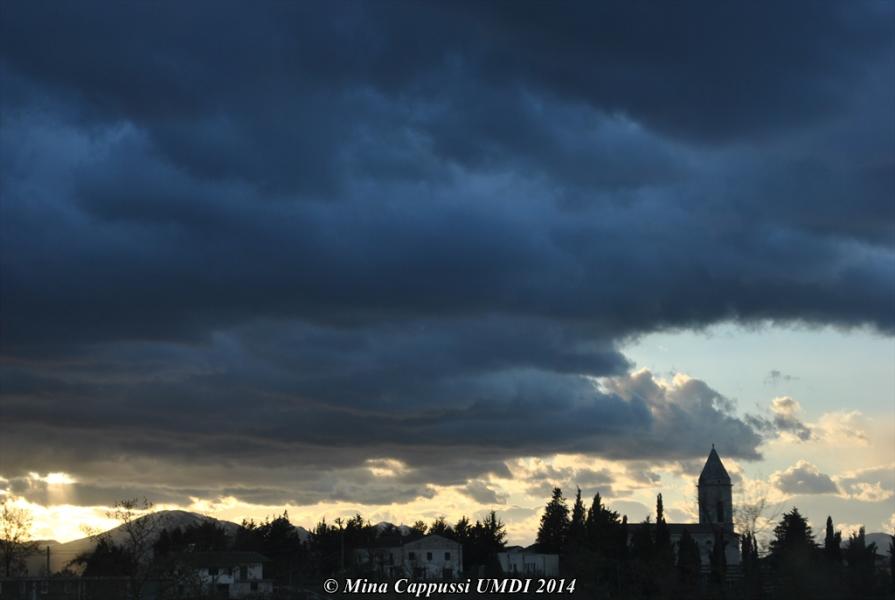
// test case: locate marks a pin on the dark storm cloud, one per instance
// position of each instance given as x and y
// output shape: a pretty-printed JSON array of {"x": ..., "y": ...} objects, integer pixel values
[
  {"x": 690, "y": 70},
  {"x": 274, "y": 245},
  {"x": 46, "y": 494}
]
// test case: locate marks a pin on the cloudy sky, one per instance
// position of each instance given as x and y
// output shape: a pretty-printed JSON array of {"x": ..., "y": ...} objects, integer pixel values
[{"x": 418, "y": 259}]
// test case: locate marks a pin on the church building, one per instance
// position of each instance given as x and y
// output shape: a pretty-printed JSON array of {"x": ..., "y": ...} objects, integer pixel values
[{"x": 715, "y": 505}]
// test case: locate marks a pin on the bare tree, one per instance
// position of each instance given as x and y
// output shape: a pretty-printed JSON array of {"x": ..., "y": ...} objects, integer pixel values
[
  {"x": 15, "y": 537},
  {"x": 138, "y": 532},
  {"x": 755, "y": 514}
]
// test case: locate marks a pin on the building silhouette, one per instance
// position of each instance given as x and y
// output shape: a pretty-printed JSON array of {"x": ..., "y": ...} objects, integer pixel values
[{"x": 715, "y": 509}]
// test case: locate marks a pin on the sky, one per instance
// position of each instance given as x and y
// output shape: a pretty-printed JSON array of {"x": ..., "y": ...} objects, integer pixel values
[{"x": 421, "y": 259}]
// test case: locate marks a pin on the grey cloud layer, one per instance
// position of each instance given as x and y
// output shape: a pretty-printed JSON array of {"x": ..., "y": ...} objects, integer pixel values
[
  {"x": 804, "y": 478},
  {"x": 304, "y": 237}
]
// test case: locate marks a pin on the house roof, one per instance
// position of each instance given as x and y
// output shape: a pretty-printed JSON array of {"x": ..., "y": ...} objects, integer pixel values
[
  {"x": 385, "y": 541},
  {"x": 431, "y": 538},
  {"x": 533, "y": 549},
  {"x": 396, "y": 541},
  {"x": 221, "y": 559},
  {"x": 714, "y": 469}
]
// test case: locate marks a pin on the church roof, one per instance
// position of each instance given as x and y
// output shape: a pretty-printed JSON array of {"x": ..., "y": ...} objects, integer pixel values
[
  {"x": 714, "y": 469},
  {"x": 676, "y": 529}
]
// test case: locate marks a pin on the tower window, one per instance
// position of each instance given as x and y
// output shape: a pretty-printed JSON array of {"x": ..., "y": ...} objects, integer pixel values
[{"x": 720, "y": 511}]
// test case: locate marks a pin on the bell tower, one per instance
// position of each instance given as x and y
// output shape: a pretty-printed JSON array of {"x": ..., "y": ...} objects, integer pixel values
[{"x": 715, "y": 494}]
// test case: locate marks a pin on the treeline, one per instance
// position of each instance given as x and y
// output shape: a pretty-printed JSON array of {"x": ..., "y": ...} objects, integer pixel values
[
  {"x": 800, "y": 566},
  {"x": 608, "y": 557},
  {"x": 328, "y": 549},
  {"x": 614, "y": 559}
]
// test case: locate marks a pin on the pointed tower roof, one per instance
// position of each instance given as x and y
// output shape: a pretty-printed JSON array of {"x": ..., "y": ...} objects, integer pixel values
[{"x": 714, "y": 470}]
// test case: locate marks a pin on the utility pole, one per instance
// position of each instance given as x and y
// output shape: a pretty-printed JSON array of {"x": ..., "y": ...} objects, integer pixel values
[{"x": 46, "y": 589}]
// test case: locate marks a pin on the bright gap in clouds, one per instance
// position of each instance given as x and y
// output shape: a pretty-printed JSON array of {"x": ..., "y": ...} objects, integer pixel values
[
  {"x": 839, "y": 383},
  {"x": 824, "y": 369}
]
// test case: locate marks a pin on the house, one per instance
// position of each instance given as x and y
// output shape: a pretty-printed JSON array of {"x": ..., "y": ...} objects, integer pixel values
[
  {"x": 428, "y": 557},
  {"x": 384, "y": 557},
  {"x": 516, "y": 560},
  {"x": 715, "y": 506},
  {"x": 229, "y": 574},
  {"x": 434, "y": 557}
]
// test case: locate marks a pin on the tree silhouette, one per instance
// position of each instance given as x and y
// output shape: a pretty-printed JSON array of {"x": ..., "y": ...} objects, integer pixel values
[
  {"x": 482, "y": 541},
  {"x": 832, "y": 543},
  {"x": 554, "y": 524},
  {"x": 462, "y": 530},
  {"x": 577, "y": 525},
  {"x": 718, "y": 557},
  {"x": 15, "y": 541},
  {"x": 861, "y": 559},
  {"x": 440, "y": 527},
  {"x": 749, "y": 553},
  {"x": 140, "y": 526},
  {"x": 278, "y": 540},
  {"x": 419, "y": 528},
  {"x": 591, "y": 518},
  {"x": 604, "y": 530},
  {"x": 792, "y": 536},
  {"x": 643, "y": 545},
  {"x": 494, "y": 532},
  {"x": 206, "y": 536},
  {"x": 107, "y": 559},
  {"x": 607, "y": 541},
  {"x": 664, "y": 550},
  {"x": 688, "y": 560},
  {"x": 892, "y": 560},
  {"x": 793, "y": 554},
  {"x": 752, "y": 580},
  {"x": 621, "y": 542},
  {"x": 752, "y": 514},
  {"x": 325, "y": 548}
]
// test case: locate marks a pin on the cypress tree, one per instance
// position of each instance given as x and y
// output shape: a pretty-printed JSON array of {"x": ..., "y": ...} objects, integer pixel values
[
  {"x": 578, "y": 525},
  {"x": 621, "y": 541},
  {"x": 749, "y": 552},
  {"x": 832, "y": 543},
  {"x": 751, "y": 572},
  {"x": 718, "y": 558},
  {"x": 643, "y": 546},
  {"x": 591, "y": 521},
  {"x": 664, "y": 549},
  {"x": 688, "y": 561}
]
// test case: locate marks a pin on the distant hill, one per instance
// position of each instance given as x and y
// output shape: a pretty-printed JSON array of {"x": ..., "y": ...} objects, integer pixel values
[
  {"x": 882, "y": 541},
  {"x": 404, "y": 529},
  {"x": 61, "y": 554}
]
